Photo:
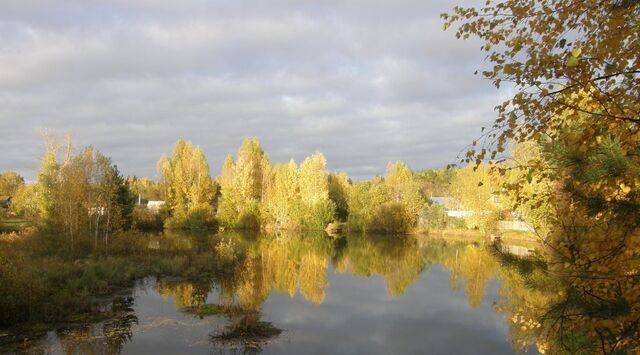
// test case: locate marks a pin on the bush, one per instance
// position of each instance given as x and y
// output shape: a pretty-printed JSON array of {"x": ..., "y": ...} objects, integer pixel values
[
  {"x": 249, "y": 220},
  {"x": 200, "y": 217},
  {"x": 357, "y": 222},
  {"x": 456, "y": 223},
  {"x": 389, "y": 218},
  {"x": 433, "y": 216},
  {"x": 318, "y": 216},
  {"x": 146, "y": 219}
]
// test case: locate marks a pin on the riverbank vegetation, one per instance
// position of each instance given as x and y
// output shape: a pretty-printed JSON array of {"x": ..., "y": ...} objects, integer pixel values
[
  {"x": 43, "y": 283},
  {"x": 85, "y": 194}
]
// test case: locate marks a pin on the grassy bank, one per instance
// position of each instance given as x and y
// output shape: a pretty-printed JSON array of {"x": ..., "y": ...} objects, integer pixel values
[{"x": 40, "y": 287}]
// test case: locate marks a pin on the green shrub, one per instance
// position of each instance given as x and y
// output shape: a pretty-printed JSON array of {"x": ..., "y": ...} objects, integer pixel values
[
  {"x": 456, "y": 223},
  {"x": 357, "y": 222},
  {"x": 389, "y": 218},
  {"x": 318, "y": 216},
  {"x": 249, "y": 220},
  {"x": 433, "y": 216},
  {"x": 201, "y": 217},
  {"x": 147, "y": 219}
]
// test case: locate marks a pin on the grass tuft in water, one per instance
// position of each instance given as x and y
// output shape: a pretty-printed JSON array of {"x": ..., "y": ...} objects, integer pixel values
[
  {"x": 248, "y": 331},
  {"x": 211, "y": 309}
]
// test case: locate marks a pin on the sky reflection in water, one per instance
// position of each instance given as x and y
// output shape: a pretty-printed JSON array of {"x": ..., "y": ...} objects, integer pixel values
[{"x": 346, "y": 295}]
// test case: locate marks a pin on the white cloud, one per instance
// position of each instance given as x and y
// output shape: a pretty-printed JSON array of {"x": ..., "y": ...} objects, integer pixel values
[{"x": 363, "y": 81}]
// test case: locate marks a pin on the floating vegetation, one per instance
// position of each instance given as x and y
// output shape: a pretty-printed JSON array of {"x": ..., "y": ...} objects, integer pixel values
[
  {"x": 248, "y": 332},
  {"x": 210, "y": 309}
]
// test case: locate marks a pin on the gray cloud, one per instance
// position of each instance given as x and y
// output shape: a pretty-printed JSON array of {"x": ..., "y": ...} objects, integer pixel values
[{"x": 365, "y": 82}]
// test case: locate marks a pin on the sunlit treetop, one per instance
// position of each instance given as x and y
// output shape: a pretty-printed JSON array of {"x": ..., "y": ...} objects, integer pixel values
[{"x": 576, "y": 56}]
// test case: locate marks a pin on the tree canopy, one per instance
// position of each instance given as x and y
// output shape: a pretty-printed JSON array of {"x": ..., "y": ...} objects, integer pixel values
[
  {"x": 188, "y": 187},
  {"x": 563, "y": 58}
]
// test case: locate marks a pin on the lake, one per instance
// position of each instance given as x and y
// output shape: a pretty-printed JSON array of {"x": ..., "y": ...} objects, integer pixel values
[{"x": 307, "y": 293}]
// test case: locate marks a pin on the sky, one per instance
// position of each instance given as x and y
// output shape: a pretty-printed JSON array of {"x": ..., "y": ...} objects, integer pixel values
[{"x": 363, "y": 81}]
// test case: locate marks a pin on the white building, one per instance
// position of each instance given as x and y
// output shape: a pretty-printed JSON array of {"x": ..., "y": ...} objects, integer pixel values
[{"x": 155, "y": 205}]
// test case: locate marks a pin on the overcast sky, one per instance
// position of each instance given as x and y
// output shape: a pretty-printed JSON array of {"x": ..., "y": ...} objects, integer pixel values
[{"x": 363, "y": 81}]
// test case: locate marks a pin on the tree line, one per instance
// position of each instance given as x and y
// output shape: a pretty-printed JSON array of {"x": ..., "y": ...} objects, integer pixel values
[
  {"x": 85, "y": 194},
  {"x": 251, "y": 193}
]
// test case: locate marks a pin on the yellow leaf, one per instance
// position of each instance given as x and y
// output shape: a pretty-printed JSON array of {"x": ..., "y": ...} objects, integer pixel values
[
  {"x": 626, "y": 189},
  {"x": 576, "y": 52}
]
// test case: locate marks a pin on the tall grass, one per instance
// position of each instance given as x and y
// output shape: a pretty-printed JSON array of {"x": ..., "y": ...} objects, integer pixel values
[{"x": 43, "y": 281}]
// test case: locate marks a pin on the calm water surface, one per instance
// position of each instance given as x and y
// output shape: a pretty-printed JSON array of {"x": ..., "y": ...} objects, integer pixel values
[{"x": 327, "y": 295}]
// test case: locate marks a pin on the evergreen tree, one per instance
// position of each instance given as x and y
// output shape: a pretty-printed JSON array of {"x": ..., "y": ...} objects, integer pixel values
[{"x": 123, "y": 197}]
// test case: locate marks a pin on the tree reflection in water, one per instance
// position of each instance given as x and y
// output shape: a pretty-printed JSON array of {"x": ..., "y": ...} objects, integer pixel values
[
  {"x": 297, "y": 264},
  {"x": 106, "y": 337}
]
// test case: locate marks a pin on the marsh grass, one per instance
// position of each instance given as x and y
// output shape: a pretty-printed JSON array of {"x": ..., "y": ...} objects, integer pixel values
[{"x": 42, "y": 283}]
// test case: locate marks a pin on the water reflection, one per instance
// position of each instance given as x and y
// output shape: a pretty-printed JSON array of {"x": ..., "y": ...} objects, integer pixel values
[
  {"x": 104, "y": 337},
  {"x": 397, "y": 259},
  {"x": 281, "y": 282}
]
